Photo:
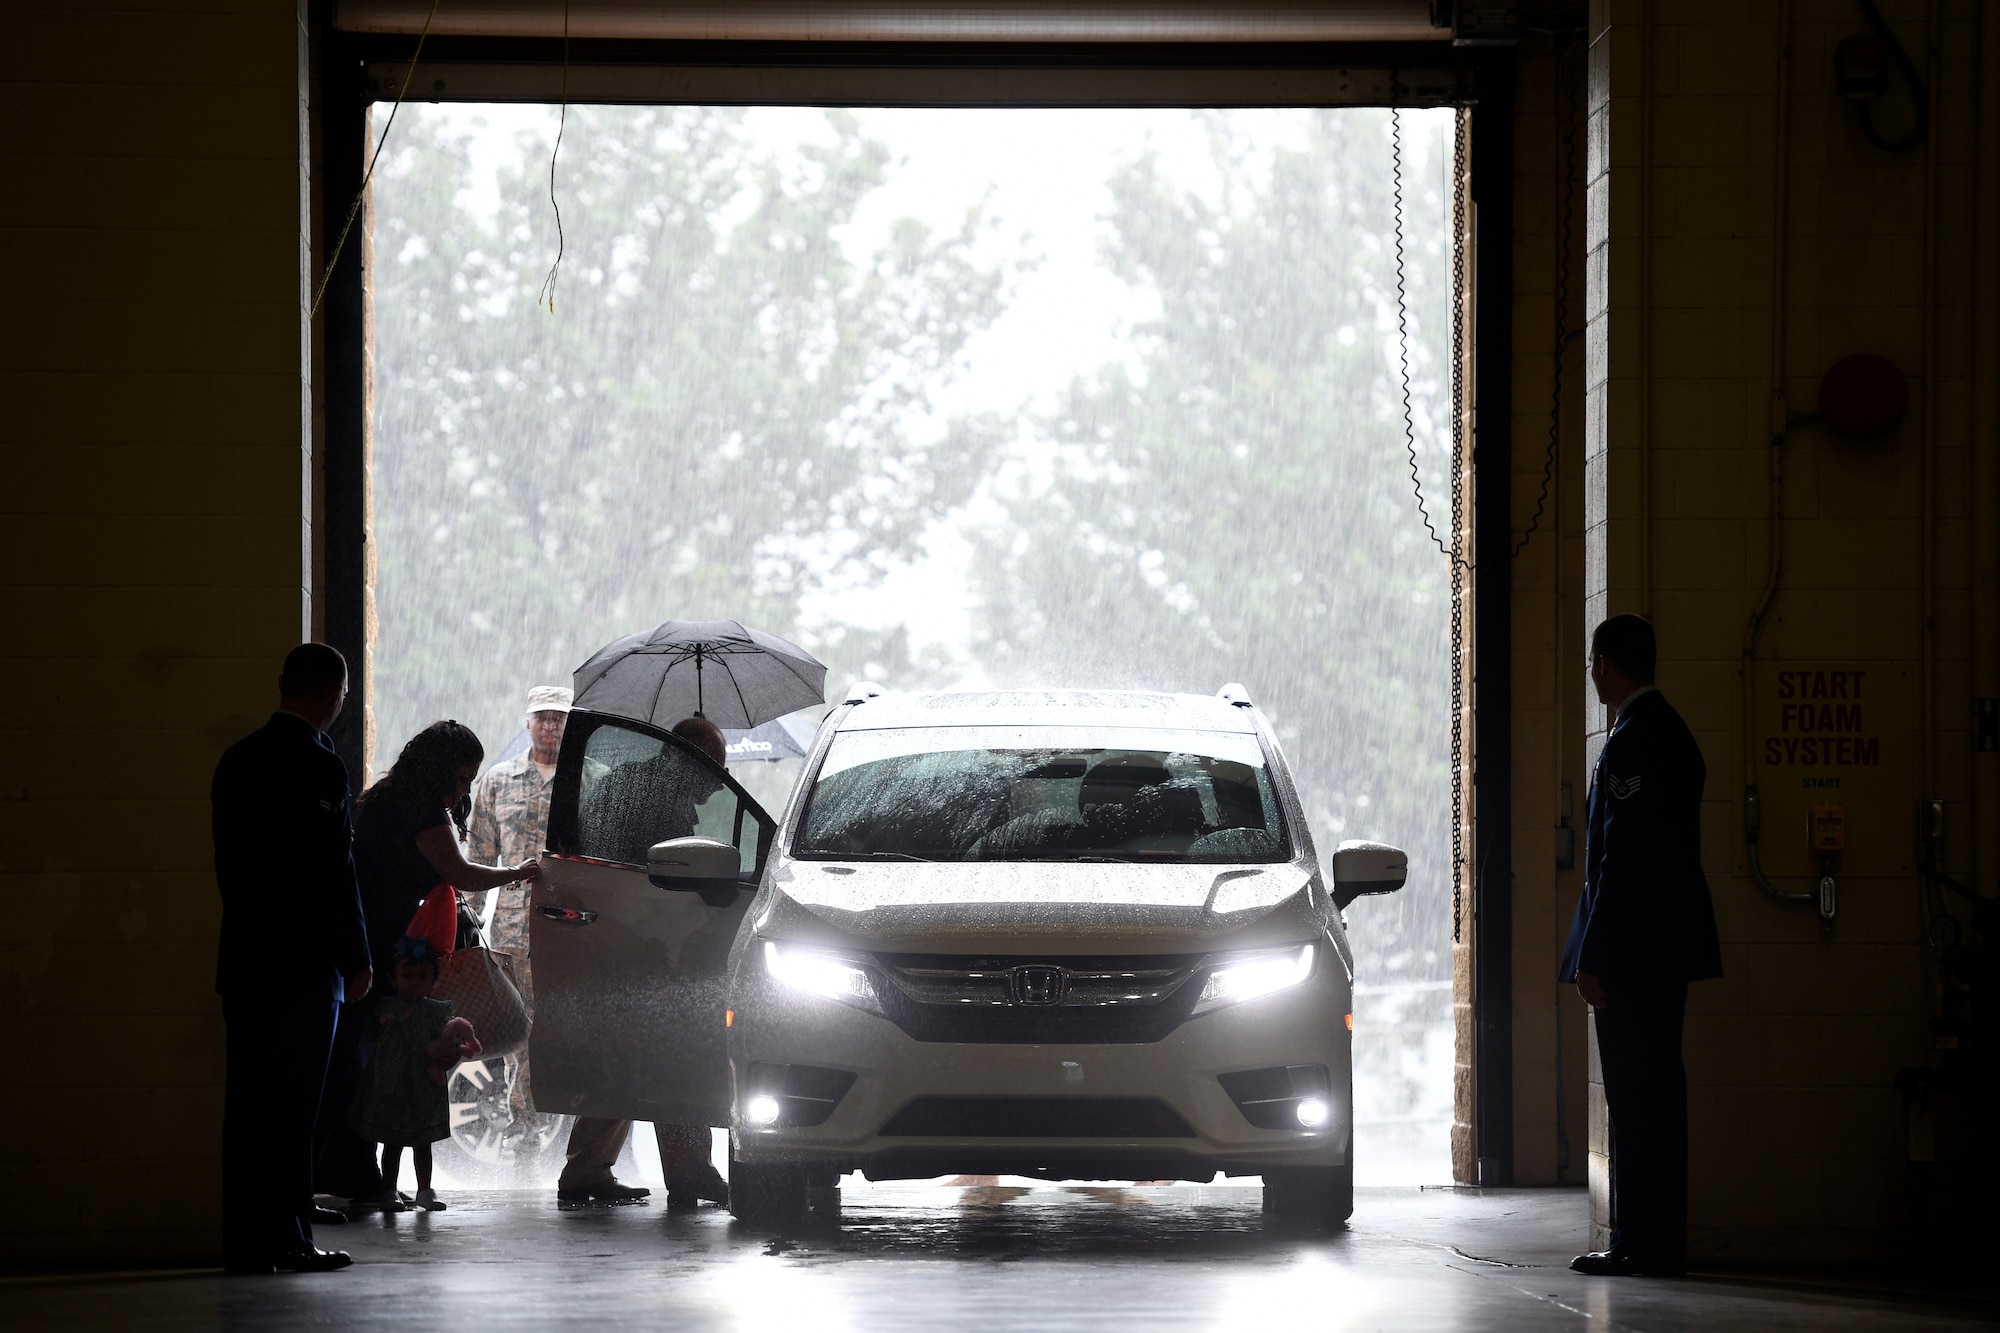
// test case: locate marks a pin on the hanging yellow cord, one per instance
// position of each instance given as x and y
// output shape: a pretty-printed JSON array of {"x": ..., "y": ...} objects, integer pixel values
[
  {"x": 562, "y": 121},
  {"x": 354, "y": 210}
]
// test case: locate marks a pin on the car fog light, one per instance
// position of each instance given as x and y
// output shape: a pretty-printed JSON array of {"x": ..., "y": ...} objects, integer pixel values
[
  {"x": 762, "y": 1110},
  {"x": 1313, "y": 1112}
]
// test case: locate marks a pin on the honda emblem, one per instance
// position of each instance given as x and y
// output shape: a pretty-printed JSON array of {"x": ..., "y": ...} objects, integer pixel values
[{"x": 1039, "y": 985}]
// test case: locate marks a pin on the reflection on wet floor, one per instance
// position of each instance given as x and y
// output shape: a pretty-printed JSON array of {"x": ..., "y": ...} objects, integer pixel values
[
  {"x": 927, "y": 1256},
  {"x": 1018, "y": 1221}
]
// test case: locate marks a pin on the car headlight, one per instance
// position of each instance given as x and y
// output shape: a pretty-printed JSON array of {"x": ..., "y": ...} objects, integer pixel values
[
  {"x": 1247, "y": 976},
  {"x": 817, "y": 973}
]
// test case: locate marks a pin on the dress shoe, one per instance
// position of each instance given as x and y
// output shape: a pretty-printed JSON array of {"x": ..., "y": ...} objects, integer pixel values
[
  {"x": 1605, "y": 1263},
  {"x": 608, "y": 1191},
  {"x": 311, "y": 1260},
  {"x": 705, "y": 1186},
  {"x": 1625, "y": 1263},
  {"x": 327, "y": 1217}
]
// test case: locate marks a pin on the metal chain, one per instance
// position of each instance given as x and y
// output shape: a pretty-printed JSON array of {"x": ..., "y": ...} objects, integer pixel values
[
  {"x": 1461, "y": 139},
  {"x": 1455, "y": 551}
]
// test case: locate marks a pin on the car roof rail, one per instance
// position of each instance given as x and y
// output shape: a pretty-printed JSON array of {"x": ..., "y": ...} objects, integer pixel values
[
  {"x": 861, "y": 691},
  {"x": 1235, "y": 693}
]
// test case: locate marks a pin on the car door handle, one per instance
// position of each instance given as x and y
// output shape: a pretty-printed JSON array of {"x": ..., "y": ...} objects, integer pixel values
[{"x": 569, "y": 916}]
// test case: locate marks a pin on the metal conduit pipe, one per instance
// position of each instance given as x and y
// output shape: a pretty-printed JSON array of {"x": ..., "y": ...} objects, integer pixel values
[
  {"x": 1927, "y": 527},
  {"x": 1778, "y": 426},
  {"x": 1645, "y": 325},
  {"x": 1985, "y": 448}
]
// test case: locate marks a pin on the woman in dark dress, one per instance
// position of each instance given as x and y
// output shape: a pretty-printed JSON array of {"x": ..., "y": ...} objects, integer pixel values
[{"x": 406, "y": 847}]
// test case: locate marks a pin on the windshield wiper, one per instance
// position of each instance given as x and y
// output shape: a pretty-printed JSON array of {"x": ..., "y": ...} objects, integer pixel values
[{"x": 870, "y": 856}]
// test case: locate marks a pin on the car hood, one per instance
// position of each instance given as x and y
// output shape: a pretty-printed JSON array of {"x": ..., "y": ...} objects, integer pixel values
[{"x": 1041, "y": 907}]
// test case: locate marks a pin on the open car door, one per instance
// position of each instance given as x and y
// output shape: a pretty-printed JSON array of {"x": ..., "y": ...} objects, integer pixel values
[{"x": 630, "y": 977}]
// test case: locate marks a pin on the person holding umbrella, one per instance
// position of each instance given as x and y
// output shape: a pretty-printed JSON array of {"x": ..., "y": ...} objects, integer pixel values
[
  {"x": 694, "y": 676},
  {"x": 635, "y": 807}
]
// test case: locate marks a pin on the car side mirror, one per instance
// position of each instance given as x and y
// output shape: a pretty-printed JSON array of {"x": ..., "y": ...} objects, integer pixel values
[
  {"x": 699, "y": 865},
  {"x": 1361, "y": 868}
]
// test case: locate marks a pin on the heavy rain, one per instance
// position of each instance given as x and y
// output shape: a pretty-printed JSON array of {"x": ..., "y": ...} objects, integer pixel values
[{"x": 962, "y": 398}]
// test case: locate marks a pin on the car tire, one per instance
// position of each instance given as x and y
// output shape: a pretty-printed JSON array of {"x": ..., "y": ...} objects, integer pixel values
[
  {"x": 1309, "y": 1198},
  {"x": 763, "y": 1195}
]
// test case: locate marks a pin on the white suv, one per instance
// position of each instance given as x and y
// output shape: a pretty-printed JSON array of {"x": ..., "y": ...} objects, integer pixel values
[{"x": 1063, "y": 934}]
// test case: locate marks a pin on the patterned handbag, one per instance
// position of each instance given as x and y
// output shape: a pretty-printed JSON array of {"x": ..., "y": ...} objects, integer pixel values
[{"x": 481, "y": 984}]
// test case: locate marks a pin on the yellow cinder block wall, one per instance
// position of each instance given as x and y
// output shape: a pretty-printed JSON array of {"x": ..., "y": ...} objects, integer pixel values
[
  {"x": 151, "y": 579},
  {"x": 1799, "y": 1136}
]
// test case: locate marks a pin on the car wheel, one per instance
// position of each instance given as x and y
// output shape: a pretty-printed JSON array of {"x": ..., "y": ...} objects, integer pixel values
[
  {"x": 476, "y": 1092},
  {"x": 766, "y": 1195},
  {"x": 1309, "y": 1198},
  {"x": 485, "y": 1142}
]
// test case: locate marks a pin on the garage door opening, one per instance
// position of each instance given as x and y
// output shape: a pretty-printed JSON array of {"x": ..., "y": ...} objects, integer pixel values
[{"x": 961, "y": 397}]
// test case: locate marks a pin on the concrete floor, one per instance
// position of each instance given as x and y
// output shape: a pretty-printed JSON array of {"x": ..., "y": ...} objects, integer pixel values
[{"x": 1047, "y": 1259}]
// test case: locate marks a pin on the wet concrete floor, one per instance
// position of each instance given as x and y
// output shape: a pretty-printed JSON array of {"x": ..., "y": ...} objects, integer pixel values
[{"x": 1048, "y": 1259}]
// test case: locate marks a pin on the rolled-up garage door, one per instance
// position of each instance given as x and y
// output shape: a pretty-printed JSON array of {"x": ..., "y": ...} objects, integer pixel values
[{"x": 911, "y": 20}]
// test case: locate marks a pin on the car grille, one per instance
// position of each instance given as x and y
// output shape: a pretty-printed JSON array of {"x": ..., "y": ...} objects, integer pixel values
[
  {"x": 1067, "y": 999},
  {"x": 1038, "y": 1118}
]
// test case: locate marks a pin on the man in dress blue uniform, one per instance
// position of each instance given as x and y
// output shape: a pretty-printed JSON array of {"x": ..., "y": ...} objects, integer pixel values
[
  {"x": 293, "y": 946},
  {"x": 1644, "y": 929}
]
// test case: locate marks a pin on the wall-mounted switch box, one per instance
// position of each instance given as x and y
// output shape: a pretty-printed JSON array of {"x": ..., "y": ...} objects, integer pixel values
[{"x": 1985, "y": 724}]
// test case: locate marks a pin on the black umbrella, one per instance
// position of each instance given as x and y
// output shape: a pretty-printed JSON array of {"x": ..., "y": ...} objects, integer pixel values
[
  {"x": 788, "y": 737},
  {"x": 663, "y": 675}
]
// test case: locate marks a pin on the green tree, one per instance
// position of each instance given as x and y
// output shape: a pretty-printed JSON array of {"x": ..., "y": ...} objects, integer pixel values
[
  {"x": 722, "y": 406},
  {"x": 1237, "y": 505}
]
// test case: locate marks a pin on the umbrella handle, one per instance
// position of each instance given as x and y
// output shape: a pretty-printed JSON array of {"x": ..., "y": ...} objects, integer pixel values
[{"x": 698, "y": 700}]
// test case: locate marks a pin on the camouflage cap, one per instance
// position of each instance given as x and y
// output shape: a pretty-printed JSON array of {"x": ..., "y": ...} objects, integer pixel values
[{"x": 550, "y": 699}]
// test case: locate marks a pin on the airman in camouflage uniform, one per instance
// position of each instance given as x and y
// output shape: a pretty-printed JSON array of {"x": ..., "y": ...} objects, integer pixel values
[{"x": 510, "y": 820}]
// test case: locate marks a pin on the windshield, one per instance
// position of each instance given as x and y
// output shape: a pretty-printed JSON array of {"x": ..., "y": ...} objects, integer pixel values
[{"x": 1043, "y": 793}]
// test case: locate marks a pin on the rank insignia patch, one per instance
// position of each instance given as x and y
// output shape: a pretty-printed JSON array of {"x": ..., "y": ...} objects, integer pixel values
[{"x": 1622, "y": 790}]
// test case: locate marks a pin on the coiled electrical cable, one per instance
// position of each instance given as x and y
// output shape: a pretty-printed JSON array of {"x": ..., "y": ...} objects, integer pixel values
[
  {"x": 1920, "y": 91},
  {"x": 1403, "y": 335}
]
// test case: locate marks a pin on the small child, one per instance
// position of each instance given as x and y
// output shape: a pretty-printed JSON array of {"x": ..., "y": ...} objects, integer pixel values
[{"x": 401, "y": 1101}]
